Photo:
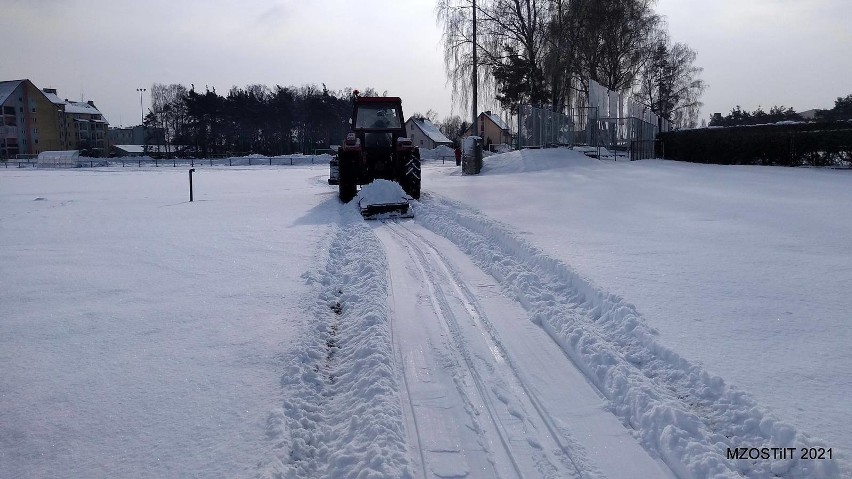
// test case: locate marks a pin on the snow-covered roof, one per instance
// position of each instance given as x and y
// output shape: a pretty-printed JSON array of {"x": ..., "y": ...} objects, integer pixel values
[
  {"x": 54, "y": 98},
  {"x": 131, "y": 148},
  {"x": 7, "y": 87},
  {"x": 429, "y": 129},
  {"x": 81, "y": 108},
  {"x": 497, "y": 120}
]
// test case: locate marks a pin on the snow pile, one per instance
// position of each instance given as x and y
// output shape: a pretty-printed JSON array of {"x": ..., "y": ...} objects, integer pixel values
[
  {"x": 381, "y": 192},
  {"x": 680, "y": 412},
  {"x": 442, "y": 151},
  {"x": 524, "y": 161},
  {"x": 342, "y": 417}
]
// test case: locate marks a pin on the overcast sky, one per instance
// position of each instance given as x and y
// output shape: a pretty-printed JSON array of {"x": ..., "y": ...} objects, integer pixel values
[{"x": 755, "y": 52}]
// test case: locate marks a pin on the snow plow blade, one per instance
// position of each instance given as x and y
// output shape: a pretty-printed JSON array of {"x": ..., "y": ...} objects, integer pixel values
[{"x": 386, "y": 210}]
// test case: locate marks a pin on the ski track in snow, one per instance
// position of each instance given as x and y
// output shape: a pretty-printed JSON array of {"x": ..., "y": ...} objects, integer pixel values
[{"x": 677, "y": 410}]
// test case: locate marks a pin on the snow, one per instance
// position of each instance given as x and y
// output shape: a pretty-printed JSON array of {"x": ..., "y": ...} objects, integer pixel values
[
  {"x": 441, "y": 152},
  {"x": 138, "y": 149},
  {"x": 380, "y": 192},
  {"x": 80, "y": 108},
  {"x": 141, "y": 335},
  {"x": 555, "y": 316},
  {"x": 742, "y": 270},
  {"x": 429, "y": 129}
]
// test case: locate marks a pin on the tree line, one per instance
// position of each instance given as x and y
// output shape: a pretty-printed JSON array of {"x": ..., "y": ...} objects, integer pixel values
[
  {"x": 544, "y": 52},
  {"x": 259, "y": 119},
  {"x": 254, "y": 119},
  {"x": 841, "y": 111}
]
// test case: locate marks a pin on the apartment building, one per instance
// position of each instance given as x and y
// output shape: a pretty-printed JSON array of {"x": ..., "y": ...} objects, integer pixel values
[
  {"x": 35, "y": 120},
  {"x": 31, "y": 123}
]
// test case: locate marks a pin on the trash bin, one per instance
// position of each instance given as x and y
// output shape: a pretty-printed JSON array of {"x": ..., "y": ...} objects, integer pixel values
[{"x": 472, "y": 155}]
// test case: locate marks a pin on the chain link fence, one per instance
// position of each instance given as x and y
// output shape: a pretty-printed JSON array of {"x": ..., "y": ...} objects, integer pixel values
[
  {"x": 543, "y": 128},
  {"x": 606, "y": 124}
]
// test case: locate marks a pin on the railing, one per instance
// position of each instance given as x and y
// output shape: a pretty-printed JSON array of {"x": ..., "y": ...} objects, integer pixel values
[
  {"x": 646, "y": 149},
  {"x": 144, "y": 161}
]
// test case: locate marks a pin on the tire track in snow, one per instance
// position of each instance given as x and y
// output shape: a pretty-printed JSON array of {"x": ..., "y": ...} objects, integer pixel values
[
  {"x": 407, "y": 403},
  {"x": 447, "y": 430},
  {"x": 680, "y": 412},
  {"x": 534, "y": 459},
  {"x": 464, "y": 293}
]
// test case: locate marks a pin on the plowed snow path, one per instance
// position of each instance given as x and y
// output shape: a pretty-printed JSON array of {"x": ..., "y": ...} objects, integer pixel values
[{"x": 487, "y": 393}]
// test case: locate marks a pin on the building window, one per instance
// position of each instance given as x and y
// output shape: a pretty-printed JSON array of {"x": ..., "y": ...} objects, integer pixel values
[{"x": 33, "y": 109}]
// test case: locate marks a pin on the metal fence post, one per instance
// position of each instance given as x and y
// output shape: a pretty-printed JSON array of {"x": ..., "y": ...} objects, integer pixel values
[{"x": 191, "y": 171}]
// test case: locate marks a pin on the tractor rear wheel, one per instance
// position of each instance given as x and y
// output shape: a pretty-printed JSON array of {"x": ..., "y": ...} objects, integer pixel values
[
  {"x": 348, "y": 185},
  {"x": 411, "y": 179}
]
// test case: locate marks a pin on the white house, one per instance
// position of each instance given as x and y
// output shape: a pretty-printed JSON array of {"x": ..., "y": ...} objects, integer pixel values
[{"x": 425, "y": 134}]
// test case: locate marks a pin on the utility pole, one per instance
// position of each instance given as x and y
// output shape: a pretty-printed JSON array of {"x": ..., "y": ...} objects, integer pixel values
[
  {"x": 474, "y": 127},
  {"x": 141, "y": 108}
]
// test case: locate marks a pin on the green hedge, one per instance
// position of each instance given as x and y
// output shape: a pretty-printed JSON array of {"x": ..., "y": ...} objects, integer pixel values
[{"x": 798, "y": 144}]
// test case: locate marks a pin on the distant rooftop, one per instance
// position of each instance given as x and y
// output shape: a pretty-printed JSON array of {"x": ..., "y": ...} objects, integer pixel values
[
  {"x": 497, "y": 120},
  {"x": 7, "y": 87},
  {"x": 74, "y": 107},
  {"x": 432, "y": 131},
  {"x": 81, "y": 107}
]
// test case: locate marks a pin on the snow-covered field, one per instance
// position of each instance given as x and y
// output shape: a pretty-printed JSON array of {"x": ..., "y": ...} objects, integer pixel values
[{"x": 556, "y": 316}]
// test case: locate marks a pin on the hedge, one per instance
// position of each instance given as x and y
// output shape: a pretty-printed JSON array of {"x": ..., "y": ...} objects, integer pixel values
[{"x": 788, "y": 144}]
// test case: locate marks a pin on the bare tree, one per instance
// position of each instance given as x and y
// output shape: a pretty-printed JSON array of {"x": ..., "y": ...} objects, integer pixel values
[
  {"x": 430, "y": 115},
  {"x": 505, "y": 29},
  {"x": 543, "y": 51},
  {"x": 168, "y": 109},
  {"x": 669, "y": 82},
  {"x": 453, "y": 127},
  {"x": 602, "y": 40}
]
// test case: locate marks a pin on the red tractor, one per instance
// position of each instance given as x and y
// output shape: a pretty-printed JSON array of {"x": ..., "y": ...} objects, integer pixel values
[{"x": 377, "y": 148}]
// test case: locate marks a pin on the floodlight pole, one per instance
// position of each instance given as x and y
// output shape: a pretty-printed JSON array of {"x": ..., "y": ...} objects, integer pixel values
[
  {"x": 141, "y": 108},
  {"x": 474, "y": 127}
]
